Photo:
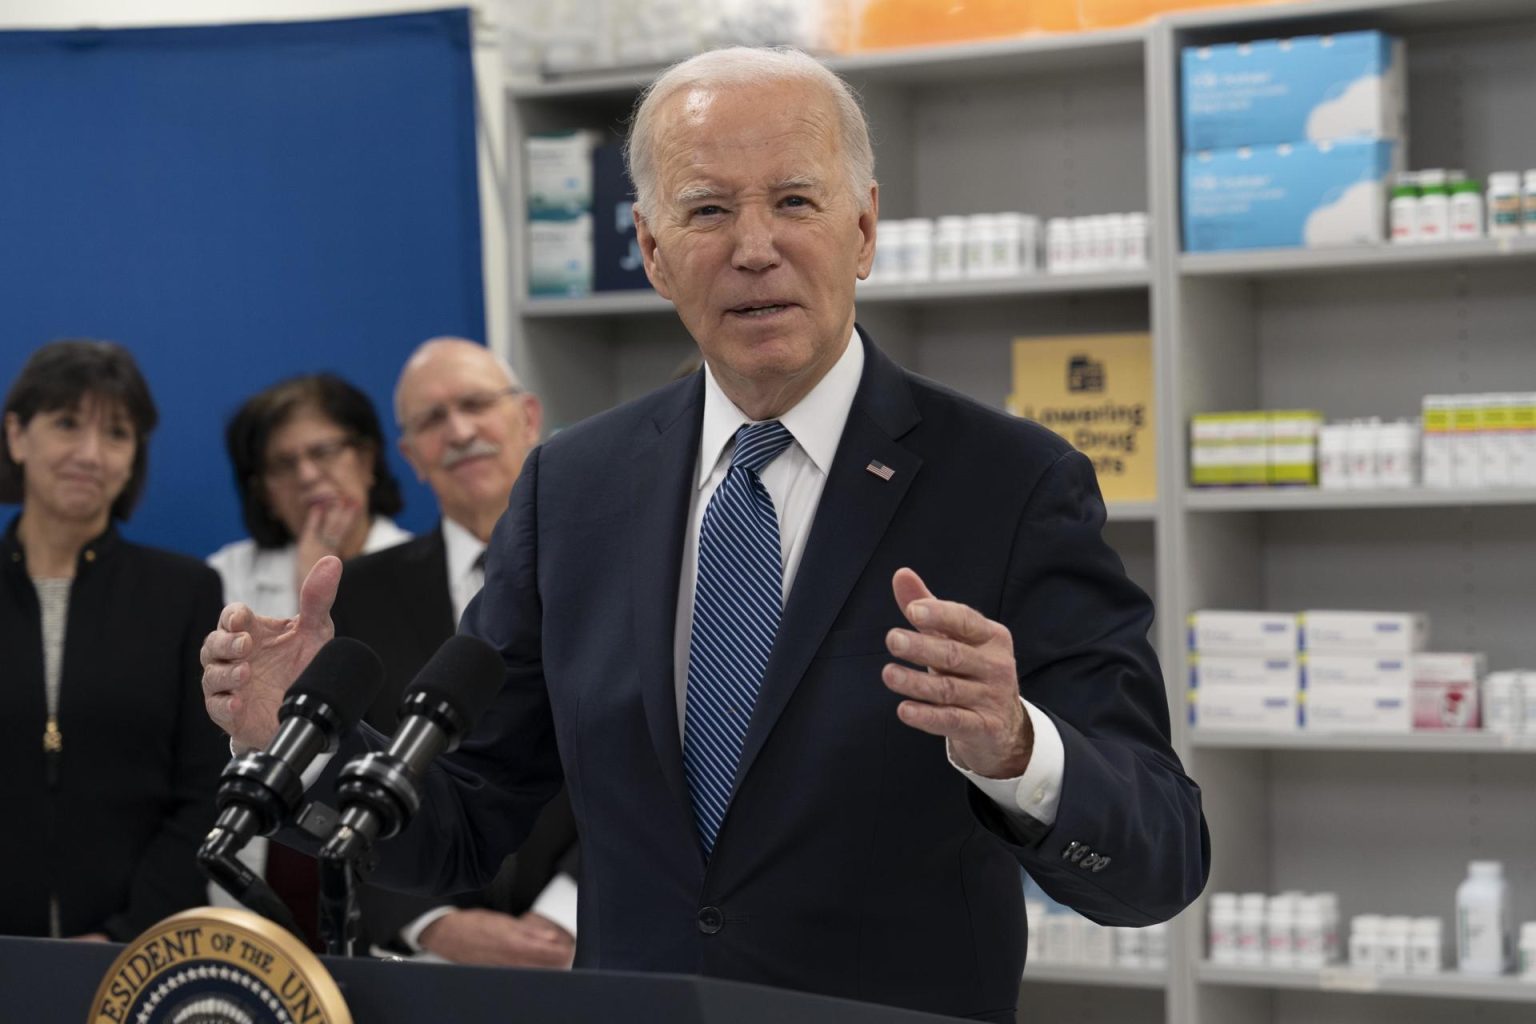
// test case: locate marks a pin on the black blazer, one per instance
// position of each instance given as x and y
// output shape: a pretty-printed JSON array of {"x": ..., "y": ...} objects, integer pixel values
[
  {"x": 853, "y": 861},
  {"x": 115, "y": 837},
  {"x": 397, "y": 602}
]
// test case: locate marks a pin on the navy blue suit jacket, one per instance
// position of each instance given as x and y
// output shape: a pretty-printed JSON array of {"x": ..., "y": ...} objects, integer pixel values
[{"x": 854, "y": 860}]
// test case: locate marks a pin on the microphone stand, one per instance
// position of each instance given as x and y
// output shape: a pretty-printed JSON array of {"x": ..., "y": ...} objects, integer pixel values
[
  {"x": 339, "y": 879},
  {"x": 217, "y": 860}
]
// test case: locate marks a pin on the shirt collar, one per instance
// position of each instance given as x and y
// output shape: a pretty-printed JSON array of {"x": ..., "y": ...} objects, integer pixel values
[
  {"x": 463, "y": 548},
  {"x": 816, "y": 421}
]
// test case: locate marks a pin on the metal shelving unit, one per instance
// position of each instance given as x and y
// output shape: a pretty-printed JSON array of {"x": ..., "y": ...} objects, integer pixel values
[
  {"x": 1366, "y": 743},
  {"x": 1373, "y": 259},
  {"x": 1108, "y": 977},
  {"x": 1310, "y": 499},
  {"x": 1386, "y": 821},
  {"x": 629, "y": 303},
  {"x": 1446, "y": 985}
]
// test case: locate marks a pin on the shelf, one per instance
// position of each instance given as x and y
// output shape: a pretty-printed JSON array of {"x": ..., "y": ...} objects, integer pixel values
[
  {"x": 1300, "y": 262},
  {"x": 1280, "y": 499},
  {"x": 1426, "y": 742},
  {"x": 603, "y": 304},
  {"x": 1002, "y": 288},
  {"x": 1258, "y": 22},
  {"x": 1070, "y": 51},
  {"x": 1045, "y": 972},
  {"x": 1131, "y": 511},
  {"x": 627, "y": 303},
  {"x": 1342, "y": 979}
]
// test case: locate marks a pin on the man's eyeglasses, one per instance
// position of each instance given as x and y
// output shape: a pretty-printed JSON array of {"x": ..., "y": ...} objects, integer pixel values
[
  {"x": 282, "y": 468},
  {"x": 476, "y": 403}
]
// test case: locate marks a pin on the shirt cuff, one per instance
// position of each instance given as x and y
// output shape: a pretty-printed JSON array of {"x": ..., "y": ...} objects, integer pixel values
[
  {"x": 558, "y": 902},
  {"x": 410, "y": 934},
  {"x": 1037, "y": 793}
]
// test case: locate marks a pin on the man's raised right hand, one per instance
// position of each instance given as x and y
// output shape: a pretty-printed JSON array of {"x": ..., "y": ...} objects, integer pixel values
[{"x": 250, "y": 660}]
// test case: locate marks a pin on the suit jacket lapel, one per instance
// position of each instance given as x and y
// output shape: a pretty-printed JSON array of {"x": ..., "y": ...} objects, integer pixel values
[
  {"x": 662, "y": 470},
  {"x": 856, "y": 507}
]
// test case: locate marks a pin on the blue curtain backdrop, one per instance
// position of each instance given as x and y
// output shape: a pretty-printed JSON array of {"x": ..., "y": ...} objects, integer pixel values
[{"x": 237, "y": 204}]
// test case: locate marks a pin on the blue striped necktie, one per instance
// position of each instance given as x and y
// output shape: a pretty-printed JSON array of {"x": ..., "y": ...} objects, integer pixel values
[{"x": 736, "y": 605}]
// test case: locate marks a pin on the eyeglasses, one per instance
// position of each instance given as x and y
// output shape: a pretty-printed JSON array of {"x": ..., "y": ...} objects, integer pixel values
[
  {"x": 323, "y": 454},
  {"x": 476, "y": 403}
]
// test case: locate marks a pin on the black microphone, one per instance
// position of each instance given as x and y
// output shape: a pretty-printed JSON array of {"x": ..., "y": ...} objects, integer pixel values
[
  {"x": 379, "y": 792},
  {"x": 259, "y": 790}
]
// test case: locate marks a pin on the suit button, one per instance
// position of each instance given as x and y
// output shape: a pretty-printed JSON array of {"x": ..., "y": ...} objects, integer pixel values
[{"x": 711, "y": 920}]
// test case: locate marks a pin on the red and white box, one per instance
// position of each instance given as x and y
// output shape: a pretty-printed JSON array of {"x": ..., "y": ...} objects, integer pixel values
[{"x": 1445, "y": 691}]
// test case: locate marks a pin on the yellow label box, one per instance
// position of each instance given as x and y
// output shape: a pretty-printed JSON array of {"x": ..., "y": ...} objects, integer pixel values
[{"x": 1095, "y": 390}]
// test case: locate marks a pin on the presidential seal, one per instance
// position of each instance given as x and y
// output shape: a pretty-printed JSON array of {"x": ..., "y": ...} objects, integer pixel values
[{"x": 216, "y": 965}]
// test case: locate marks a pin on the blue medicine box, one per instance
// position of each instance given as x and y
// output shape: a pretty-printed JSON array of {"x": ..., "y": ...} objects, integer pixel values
[
  {"x": 1306, "y": 89},
  {"x": 1312, "y": 195}
]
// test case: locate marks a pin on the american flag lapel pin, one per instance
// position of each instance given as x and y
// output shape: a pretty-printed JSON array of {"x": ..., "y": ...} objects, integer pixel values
[{"x": 880, "y": 469}]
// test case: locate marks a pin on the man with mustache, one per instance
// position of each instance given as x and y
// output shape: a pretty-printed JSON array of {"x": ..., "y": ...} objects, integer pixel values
[{"x": 466, "y": 425}]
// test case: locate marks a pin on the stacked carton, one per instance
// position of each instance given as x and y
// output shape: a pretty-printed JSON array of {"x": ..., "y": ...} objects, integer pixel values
[
  {"x": 1244, "y": 673},
  {"x": 1290, "y": 142},
  {"x": 1358, "y": 668},
  {"x": 1238, "y": 449},
  {"x": 560, "y": 213}
]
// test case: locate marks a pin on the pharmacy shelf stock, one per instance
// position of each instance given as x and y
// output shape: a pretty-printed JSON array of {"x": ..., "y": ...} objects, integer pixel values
[
  {"x": 628, "y": 303},
  {"x": 1445, "y": 985},
  {"x": 1361, "y": 259},
  {"x": 1074, "y": 51},
  {"x": 1046, "y": 972},
  {"x": 1309, "y": 499},
  {"x": 1426, "y": 742}
]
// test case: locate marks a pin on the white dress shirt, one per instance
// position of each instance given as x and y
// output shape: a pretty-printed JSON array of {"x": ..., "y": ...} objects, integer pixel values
[
  {"x": 464, "y": 577},
  {"x": 794, "y": 481}
]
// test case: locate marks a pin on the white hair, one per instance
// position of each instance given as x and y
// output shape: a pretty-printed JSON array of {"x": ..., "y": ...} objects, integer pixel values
[
  {"x": 738, "y": 66},
  {"x": 423, "y": 350}
]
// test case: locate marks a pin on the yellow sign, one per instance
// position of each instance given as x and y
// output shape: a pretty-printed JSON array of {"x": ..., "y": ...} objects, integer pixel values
[
  {"x": 218, "y": 964},
  {"x": 1095, "y": 390}
]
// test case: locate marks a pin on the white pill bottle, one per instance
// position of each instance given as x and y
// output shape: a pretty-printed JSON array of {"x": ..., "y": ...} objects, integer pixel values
[{"x": 1483, "y": 932}]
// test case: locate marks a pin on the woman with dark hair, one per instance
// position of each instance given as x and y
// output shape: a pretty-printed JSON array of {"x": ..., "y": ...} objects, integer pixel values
[
  {"x": 109, "y": 761},
  {"x": 309, "y": 464}
]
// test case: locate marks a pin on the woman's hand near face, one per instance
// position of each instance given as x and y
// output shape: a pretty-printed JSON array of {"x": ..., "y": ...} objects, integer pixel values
[{"x": 336, "y": 527}]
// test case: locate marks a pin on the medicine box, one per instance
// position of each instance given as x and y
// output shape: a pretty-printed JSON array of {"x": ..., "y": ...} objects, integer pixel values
[
  {"x": 1229, "y": 449},
  {"x": 1348, "y": 693},
  {"x": 1310, "y": 194},
  {"x": 1247, "y": 693},
  {"x": 1293, "y": 447},
  {"x": 1362, "y": 633},
  {"x": 1246, "y": 633},
  {"x": 560, "y": 256},
  {"x": 1440, "y": 667},
  {"x": 1307, "y": 89},
  {"x": 559, "y": 174},
  {"x": 1445, "y": 690}
]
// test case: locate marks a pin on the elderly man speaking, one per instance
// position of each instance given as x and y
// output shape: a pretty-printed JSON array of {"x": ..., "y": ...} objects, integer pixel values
[{"x": 824, "y": 652}]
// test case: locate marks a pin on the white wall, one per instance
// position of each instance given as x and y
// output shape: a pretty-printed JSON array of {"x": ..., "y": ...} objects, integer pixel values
[{"x": 15, "y": 14}]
